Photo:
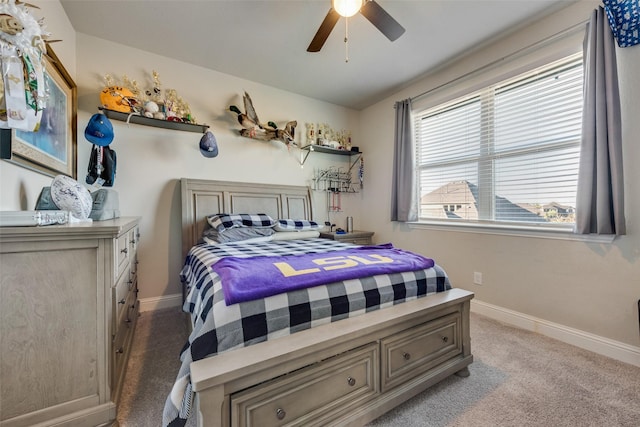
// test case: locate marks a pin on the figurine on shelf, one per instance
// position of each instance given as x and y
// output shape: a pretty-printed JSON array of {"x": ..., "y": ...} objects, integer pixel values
[
  {"x": 249, "y": 119},
  {"x": 253, "y": 128},
  {"x": 311, "y": 133}
]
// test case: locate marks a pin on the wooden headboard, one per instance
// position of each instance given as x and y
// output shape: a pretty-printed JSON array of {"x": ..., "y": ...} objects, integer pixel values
[{"x": 201, "y": 198}]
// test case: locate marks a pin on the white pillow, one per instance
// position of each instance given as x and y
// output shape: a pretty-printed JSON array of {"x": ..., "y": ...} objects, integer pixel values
[{"x": 69, "y": 195}]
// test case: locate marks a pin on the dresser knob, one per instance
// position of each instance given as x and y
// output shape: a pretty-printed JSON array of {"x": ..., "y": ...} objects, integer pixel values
[
  {"x": 351, "y": 381},
  {"x": 124, "y": 251},
  {"x": 445, "y": 338},
  {"x": 120, "y": 350},
  {"x": 280, "y": 413},
  {"x": 406, "y": 356}
]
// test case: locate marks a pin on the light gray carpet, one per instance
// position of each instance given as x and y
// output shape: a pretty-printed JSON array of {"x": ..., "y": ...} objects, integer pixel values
[{"x": 518, "y": 379}]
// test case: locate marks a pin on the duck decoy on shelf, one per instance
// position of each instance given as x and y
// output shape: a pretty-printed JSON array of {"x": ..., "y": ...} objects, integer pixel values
[
  {"x": 249, "y": 119},
  {"x": 253, "y": 128}
]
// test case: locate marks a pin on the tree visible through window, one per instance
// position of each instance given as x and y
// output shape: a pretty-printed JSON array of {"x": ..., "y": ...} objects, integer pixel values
[{"x": 507, "y": 153}]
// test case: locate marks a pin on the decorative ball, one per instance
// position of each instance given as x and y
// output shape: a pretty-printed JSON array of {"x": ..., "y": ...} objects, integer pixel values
[
  {"x": 69, "y": 195},
  {"x": 151, "y": 107}
]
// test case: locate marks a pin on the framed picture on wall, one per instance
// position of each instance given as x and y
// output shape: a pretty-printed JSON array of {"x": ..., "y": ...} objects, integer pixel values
[{"x": 52, "y": 150}]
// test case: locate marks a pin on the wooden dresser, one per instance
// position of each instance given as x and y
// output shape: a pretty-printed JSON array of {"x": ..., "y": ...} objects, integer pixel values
[{"x": 68, "y": 310}]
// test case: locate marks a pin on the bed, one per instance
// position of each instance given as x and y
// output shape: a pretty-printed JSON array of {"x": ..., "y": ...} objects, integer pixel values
[{"x": 302, "y": 358}]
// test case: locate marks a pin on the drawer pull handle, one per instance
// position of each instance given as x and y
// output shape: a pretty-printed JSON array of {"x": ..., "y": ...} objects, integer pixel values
[
  {"x": 122, "y": 301},
  {"x": 120, "y": 350},
  {"x": 406, "y": 356},
  {"x": 351, "y": 381},
  {"x": 445, "y": 338},
  {"x": 124, "y": 251},
  {"x": 280, "y": 413}
]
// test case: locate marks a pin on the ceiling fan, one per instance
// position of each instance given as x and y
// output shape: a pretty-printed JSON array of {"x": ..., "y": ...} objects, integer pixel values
[{"x": 347, "y": 8}]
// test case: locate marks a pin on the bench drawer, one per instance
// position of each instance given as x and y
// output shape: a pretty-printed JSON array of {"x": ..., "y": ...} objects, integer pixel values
[
  {"x": 311, "y": 396},
  {"x": 416, "y": 350}
]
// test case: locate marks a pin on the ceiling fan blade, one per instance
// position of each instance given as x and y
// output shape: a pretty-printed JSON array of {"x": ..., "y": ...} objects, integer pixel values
[
  {"x": 323, "y": 32},
  {"x": 382, "y": 20}
]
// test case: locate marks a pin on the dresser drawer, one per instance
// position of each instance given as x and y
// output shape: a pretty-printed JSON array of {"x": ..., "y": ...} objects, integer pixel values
[
  {"x": 358, "y": 240},
  {"x": 416, "y": 350},
  {"x": 121, "y": 294},
  {"x": 121, "y": 349},
  {"x": 312, "y": 396},
  {"x": 122, "y": 253},
  {"x": 355, "y": 237}
]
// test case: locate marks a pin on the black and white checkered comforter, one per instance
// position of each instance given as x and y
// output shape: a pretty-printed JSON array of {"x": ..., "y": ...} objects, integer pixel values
[{"x": 247, "y": 323}]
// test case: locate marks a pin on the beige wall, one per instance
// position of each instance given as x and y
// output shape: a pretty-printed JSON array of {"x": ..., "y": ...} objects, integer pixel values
[{"x": 591, "y": 287}]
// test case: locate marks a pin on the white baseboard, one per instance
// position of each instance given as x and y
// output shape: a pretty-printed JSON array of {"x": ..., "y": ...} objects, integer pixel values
[
  {"x": 158, "y": 303},
  {"x": 614, "y": 349}
]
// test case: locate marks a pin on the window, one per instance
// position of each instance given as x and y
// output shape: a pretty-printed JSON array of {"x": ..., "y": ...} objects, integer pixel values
[{"x": 506, "y": 154}]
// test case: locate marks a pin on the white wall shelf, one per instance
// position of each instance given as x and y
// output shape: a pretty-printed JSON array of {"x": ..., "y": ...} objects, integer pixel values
[
  {"x": 146, "y": 121},
  {"x": 328, "y": 150}
]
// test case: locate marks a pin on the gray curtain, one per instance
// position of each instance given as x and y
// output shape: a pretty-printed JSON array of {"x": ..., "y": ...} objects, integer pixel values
[
  {"x": 600, "y": 197},
  {"x": 403, "y": 185}
]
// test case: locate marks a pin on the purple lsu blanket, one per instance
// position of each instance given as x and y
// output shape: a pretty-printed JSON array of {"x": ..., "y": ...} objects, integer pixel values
[{"x": 246, "y": 279}]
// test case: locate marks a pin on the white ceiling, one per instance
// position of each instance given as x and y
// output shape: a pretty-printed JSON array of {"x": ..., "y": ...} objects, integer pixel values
[{"x": 266, "y": 40}]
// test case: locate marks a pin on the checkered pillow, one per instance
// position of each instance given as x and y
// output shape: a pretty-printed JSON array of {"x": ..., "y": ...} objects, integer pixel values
[
  {"x": 223, "y": 222},
  {"x": 296, "y": 225}
]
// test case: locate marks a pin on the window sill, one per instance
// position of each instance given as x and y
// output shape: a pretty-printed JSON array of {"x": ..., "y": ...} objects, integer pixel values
[{"x": 564, "y": 233}]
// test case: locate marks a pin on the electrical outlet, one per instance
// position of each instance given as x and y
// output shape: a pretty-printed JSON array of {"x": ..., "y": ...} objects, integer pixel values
[{"x": 477, "y": 278}]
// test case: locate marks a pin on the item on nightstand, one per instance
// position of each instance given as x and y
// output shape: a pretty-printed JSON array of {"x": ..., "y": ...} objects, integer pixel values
[
  {"x": 33, "y": 218},
  {"x": 349, "y": 224},
  {"x": 106, "y": 205}
]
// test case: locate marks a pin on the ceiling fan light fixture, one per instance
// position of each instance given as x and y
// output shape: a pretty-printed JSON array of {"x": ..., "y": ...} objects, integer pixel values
[{"x": 347, "y": 8}]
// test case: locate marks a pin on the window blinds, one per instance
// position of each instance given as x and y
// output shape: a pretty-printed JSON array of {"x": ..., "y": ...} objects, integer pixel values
[{"x": 508, "y": 152}]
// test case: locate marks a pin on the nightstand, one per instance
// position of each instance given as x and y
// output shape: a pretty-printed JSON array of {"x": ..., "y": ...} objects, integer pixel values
[{"x": 356, "y": 237}]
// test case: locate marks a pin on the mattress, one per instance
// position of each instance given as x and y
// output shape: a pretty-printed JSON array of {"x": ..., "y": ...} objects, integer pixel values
[{"x": 218, "y": 327}]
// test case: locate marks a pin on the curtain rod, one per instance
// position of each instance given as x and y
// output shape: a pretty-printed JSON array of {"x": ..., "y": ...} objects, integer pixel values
[{"x": 522, "y": 51}]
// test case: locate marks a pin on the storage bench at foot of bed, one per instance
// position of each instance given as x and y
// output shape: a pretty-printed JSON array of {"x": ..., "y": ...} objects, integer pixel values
[{"x": 347, "y": 372}]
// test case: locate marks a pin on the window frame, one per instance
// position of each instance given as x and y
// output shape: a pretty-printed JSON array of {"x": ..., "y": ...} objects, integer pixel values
[{"x": 458, "y": 93}]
